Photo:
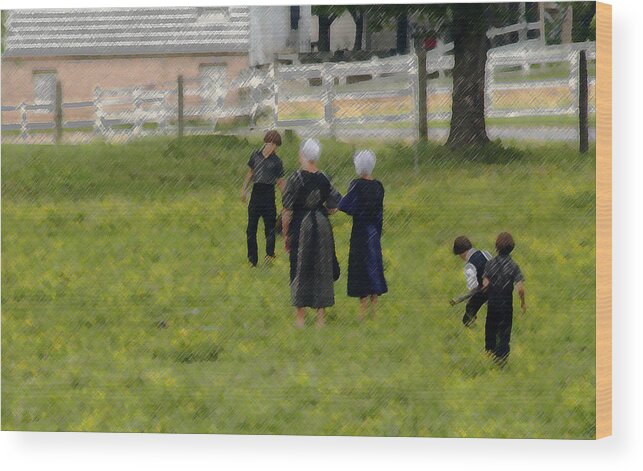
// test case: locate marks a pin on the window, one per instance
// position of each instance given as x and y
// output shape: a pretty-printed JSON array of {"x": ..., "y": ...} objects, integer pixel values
[{"x": 44, "y": 85}]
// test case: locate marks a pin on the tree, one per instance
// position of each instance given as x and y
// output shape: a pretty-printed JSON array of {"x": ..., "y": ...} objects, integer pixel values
[
  {"x": 402, "y": 32},
  {"x": 583, "y": 14},
  {"x": 358, "y": 12},
  {"x": 470, "y": 46},
  {"x": 326, "y": 15},
  {"x": 468, "y": 25},
  {"x": 380, "y": 16},
  {"x": 427, "y": 21}
]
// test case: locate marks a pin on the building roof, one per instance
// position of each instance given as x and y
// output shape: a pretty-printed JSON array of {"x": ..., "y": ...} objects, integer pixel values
[{"x": 127, "y": 31}]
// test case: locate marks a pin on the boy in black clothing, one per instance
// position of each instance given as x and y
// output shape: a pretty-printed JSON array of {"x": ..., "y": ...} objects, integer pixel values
[
  {"x": 500, "y": 276},
  {"x": 265, "y": 170},
  {"x": 473, "y": 269}
]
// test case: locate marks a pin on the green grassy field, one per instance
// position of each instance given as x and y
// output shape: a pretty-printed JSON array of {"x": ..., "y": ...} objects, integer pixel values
[{"x": 127, "y": 303}]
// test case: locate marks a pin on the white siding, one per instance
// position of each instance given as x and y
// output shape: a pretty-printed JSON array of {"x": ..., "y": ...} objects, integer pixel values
[{"x": 270, "y": 33}]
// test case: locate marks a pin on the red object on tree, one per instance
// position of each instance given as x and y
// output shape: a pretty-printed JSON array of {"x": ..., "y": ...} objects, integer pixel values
[{"x": 430, "y": 43}]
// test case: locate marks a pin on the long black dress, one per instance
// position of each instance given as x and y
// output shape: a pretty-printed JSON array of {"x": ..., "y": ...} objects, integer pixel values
[
  {"x": 365, "y": 202},
  {"x": 312, "y": 247}
]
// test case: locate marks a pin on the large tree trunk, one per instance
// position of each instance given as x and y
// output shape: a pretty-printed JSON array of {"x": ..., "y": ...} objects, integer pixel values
[
  {"x": 470, "y": 47},
  {"x": 323, "y": 43},
  {"x": 402, "y": 35},
  {"x": 358, "y": 17}
]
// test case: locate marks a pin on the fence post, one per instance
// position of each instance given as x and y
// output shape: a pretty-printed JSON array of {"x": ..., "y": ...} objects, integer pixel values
[
  {"x": 138, "y": 112},
  {"x": 573, "y": 80},
  {"x": 522, "y": 32},
  {"x": 525, "y": 66},
  {"x": 541, "y": 21},
  {"x": 583, "y": 103},
  {"x": 414, "y": 87},
  {"x": 327, "y": 82},
  {"x": 420, "y": 61},
  {"x": 254, "y": 109},
  {"x": 255, "y": 98},
  {"x": 58, "y": 112},
  {"x": 23, "y": 121},
  {"x": 275, "y": 92},
  {"x": 180, "y": 105},
  {"x": 440, "y": 47},
  {"x": 374, "y": 62},
  {"x": 162, "y": 124},
  {"x": 489, "y": 84},
  {"x": 98, "y": 112}
]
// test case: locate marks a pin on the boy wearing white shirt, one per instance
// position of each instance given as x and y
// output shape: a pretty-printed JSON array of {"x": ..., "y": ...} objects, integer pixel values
[{"x": 476, "y": 261}]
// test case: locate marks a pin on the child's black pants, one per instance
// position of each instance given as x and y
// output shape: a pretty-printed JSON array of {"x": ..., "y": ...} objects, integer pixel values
[
  {"x": 473, "y": 306},
  {"x": 498, "y": 328},
  {"x": 262, "y": 205}
]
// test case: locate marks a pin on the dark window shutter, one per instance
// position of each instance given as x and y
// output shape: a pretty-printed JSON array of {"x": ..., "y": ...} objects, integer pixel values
[{"x": 294, "y": 18}]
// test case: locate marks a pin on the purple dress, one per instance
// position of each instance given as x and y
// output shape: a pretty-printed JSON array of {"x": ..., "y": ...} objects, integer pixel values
[{"x": 365, "y": 203}]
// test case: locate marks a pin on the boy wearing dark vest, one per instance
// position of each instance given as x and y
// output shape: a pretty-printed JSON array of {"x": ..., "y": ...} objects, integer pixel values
[
  {"x": 474, "y": 267},
  {"x": 265, "y": 170}
]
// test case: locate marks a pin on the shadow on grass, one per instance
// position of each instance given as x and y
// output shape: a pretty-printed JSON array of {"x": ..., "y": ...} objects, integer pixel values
[
  {"x": 198, "y": 353},
  {"x": 492, "y": 153}
]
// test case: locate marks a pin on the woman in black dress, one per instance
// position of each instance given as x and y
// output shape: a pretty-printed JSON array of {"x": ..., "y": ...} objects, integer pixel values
[
  {"x": 365, "y": 203},
  {"x": 308, "y": 199}
]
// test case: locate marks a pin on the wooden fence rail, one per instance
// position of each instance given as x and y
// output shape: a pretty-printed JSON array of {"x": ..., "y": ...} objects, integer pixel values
[{"x": 190, "y": 105}]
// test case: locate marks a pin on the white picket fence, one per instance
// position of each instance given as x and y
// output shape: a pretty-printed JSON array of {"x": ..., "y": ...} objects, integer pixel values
[
  {"x": 334, "y": 77},
  {"x": 333, "y": 74},
  {"x": 153, "y": 109},
  {"x": 327, "y": 88}
]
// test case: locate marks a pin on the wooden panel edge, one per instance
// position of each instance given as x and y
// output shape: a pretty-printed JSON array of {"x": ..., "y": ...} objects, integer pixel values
[{"x": 603, "y": 220}]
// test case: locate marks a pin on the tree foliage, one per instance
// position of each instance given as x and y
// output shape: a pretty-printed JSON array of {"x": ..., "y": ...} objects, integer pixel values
[
  {"x": 3, "y": 19},
  {"x": 326, "y": 15},
  {"x": 466, "y": 25},
  {"x": 583, "y": 14}
]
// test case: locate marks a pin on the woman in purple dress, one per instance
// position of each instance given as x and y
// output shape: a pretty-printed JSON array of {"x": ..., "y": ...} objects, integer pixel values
[{"x": 365, "y": 203}]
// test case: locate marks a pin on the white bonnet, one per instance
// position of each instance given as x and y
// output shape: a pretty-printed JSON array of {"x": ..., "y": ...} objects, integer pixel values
[
  {"x": 310, "y": 150},
  {"x": 364, "y": 162}
]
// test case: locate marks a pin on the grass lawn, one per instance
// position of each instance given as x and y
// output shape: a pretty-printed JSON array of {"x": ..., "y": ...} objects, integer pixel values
[
  {"x": 127, "y": 303},
  {"x": 540, "y": 72}
]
